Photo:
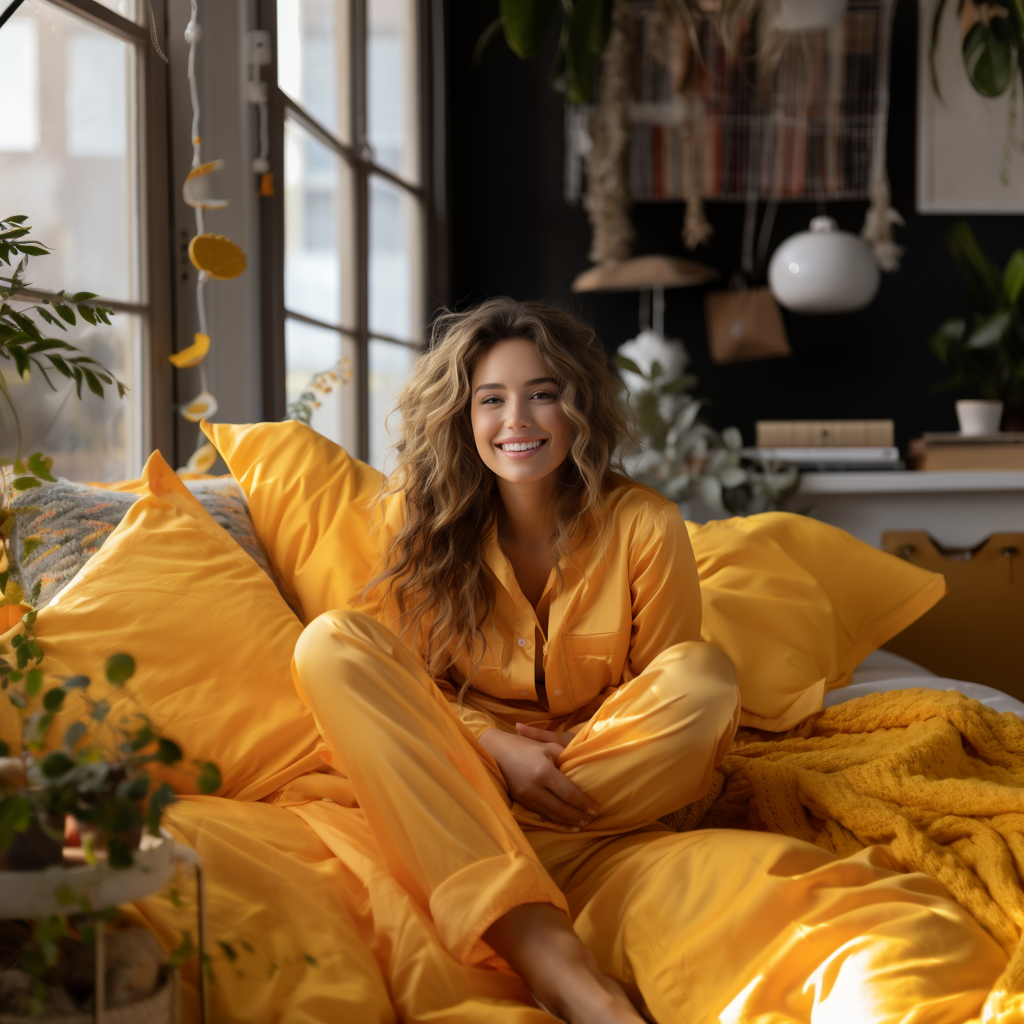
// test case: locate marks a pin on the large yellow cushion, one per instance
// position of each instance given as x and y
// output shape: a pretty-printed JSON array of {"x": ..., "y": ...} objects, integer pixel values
[
  {"x": 798, "y": 604},
  {"x": 312, "y": 505},
  {"x": 211, "y": 638}
]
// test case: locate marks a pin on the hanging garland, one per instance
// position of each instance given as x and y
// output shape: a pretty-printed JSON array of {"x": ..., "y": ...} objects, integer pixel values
[{"x": 216, "y": 258}]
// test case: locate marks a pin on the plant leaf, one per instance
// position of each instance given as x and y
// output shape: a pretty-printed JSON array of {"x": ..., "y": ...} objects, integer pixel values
[
  {"x": 990, "y": 331},
  {"x": 989, "y": 56},
  {"x": 120, "y": 668},
  {"x": 588, "y": 32},
  {"x": 209, "y": 778},
  {"x": 54, "y": 699},
  {"x": 984, "y": 283},
  {"x": 1013, "y": 277},
  {"x": 526, "y": 24},
  {"x": 625, "y": 363},
  {"x": 56, "y": 764},
  {"x": 168, "y": 752},
  {"x": 74, "y": 733}
]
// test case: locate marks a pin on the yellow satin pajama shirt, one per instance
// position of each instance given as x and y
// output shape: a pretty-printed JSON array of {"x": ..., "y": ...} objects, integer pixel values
[{"x": 700, "y": 927}]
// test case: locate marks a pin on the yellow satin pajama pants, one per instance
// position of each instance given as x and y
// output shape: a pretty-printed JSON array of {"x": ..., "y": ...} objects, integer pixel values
[{"x": 701, "y": 927}]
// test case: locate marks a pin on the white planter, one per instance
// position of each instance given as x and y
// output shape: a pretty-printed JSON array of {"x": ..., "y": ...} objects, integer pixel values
[
  {"x": 31, "y": 894},
  {"x": 809, "y": 15},
  {"x": 978, "y": 416},
  {"x": 162, "y": 1007},
  {"x": 823, "y": 270}
]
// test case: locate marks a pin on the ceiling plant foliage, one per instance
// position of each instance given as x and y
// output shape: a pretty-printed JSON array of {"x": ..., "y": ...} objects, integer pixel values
[
  {"x": 584, "y": 29},
  {"x": 583, "y": 33}
]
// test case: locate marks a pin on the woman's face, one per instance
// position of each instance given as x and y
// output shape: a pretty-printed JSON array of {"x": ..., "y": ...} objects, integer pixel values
[{"x": 520, "y": 430}]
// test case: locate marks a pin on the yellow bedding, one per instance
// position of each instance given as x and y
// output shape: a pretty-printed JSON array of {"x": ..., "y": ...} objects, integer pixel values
[
  {"x": 212, "y": 639},
  {"x": 934, "y": 776}
]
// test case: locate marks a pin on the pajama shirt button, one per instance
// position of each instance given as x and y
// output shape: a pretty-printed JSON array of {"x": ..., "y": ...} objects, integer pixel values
[
  {"x": 522, "y": 641},
  {"x": 558, "y": 693}
]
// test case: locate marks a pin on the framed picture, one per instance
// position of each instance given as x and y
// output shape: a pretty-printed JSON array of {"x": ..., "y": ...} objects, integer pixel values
[{"x": 970, "y": 157}]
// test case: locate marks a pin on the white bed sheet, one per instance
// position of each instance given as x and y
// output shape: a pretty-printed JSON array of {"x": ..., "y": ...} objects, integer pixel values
[{"x": 882, "y": 671}]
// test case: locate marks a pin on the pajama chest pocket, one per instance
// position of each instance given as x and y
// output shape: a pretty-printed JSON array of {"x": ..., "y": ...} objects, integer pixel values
[
  {"x": 596, "y": 661},
  {"x": 487, "y": 676}
]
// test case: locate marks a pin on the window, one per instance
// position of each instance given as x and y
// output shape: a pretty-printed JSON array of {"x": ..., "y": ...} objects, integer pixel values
[
  {"x": 79, "y": 155},
  {"x": 354, "y": 209}
]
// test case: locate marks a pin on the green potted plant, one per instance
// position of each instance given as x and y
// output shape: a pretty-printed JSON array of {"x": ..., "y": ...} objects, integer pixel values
[
  {"x": 985, "y": 353},
  {"x": 681, "y": 455},
  {"x": 97, "y": 788}
]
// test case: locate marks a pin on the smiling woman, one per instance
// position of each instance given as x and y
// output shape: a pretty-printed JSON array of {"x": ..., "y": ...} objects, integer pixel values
[{"x": 523, "y": 695}]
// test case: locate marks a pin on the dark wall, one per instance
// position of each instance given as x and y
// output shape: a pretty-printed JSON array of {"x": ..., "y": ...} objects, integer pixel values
[{"x": 513, "y": 233}]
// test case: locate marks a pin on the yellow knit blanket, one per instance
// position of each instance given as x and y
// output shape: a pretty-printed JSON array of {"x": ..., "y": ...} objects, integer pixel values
[{"x": 933, "y": 775}]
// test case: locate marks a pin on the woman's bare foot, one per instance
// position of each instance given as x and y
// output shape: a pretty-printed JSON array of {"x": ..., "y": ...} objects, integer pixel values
[{"x": 538, "y": 941}]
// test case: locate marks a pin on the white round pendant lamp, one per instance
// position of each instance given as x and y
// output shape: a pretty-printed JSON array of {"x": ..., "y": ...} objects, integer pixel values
[{"x": 823, "y": 270}]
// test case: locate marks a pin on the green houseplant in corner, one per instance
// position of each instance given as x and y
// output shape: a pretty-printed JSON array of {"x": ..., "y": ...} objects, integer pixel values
[
  {"x": 985, "y": 354},
  {"x": 99, "y": 784}
]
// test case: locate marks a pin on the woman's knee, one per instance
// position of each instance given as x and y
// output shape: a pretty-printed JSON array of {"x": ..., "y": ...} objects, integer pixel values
[
  {"x": 327, "y": 630},
  {"x": 701, "y": 672},
  {"x": 341, "y": 651}
]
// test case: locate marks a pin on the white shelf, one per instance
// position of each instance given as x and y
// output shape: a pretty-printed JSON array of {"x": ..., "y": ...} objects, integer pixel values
[{"x": 911, "y": 482}]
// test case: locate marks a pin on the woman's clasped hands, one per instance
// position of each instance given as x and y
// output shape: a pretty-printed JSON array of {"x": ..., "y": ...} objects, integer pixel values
[{"x": 527, "y": 759}]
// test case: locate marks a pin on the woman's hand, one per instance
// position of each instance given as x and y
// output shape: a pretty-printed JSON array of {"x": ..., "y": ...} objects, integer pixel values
[{"x": 527, "y": 761}]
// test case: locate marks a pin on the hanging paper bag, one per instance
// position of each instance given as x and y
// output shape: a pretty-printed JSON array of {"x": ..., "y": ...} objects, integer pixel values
[{"x": 744, "y": 324}]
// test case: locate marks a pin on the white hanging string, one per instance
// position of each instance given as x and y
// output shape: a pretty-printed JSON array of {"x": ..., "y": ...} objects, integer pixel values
[
  {"x": 193, "y": 33},
  {"x": 880, "y": 218}
]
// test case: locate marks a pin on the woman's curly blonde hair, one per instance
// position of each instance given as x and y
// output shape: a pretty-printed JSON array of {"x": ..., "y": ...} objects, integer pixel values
[{"x": 434, "y": 565}]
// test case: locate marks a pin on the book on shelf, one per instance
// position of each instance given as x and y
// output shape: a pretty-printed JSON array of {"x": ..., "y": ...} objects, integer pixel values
[
  {"x": 954, "y": 452},
  {"x": 830, "y": 457},
  {"x": 825, "y": 433}
]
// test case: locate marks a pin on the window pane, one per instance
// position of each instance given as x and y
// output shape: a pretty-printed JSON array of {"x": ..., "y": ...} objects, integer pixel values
[
  {"x": 91, "y": 439},
  {"x": 312, "y": 59},
  {"x": 126, "y": 8},
  {"x": 391, "y": 89},
  {"x": 318, "y": 261},
  {"x": 67, "y": 144},
  {"x": 395, "y": 262},
  {"x": 390, "y": 366},
  {"x": 309, "y": 351}
]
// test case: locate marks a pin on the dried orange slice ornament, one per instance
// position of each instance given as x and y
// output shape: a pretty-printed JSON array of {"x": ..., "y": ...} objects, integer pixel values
[
  {"x": 196, "y": 189},
  {"x": 204, "y": 404},
  {"x": 202, "y": 459},
  {"x": 217, "y": 255},
  {"x": 193, "y": 355}
]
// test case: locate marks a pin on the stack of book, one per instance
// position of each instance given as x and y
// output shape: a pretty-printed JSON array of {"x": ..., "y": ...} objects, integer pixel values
[
  {"x": 956, "y": 452},
  {"x": 828, "y": 444}
]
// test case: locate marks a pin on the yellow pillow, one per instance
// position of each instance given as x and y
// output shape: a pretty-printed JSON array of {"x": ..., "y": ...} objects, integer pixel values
[
  {"x": 797, "y": 605},
  {"x": 211, "y": 638},
  {"x": 312, "y": 505}
]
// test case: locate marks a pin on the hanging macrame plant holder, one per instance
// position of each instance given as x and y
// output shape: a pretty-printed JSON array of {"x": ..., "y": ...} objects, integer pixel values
[{"x": 672, "y": 123}]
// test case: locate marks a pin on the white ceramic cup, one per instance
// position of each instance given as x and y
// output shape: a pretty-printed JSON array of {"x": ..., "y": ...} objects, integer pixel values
[{"x": 978, "y": 416}]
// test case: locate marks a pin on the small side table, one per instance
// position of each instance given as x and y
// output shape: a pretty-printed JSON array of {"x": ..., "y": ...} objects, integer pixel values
[{"x": 56, "y": 890}]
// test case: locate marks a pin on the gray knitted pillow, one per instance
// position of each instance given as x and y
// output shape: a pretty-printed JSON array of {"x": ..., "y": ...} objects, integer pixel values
[{"x": 68, "y": 523}]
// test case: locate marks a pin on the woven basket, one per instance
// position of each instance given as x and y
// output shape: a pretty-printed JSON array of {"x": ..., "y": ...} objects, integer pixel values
[{"x": 162, "y": 1007}]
